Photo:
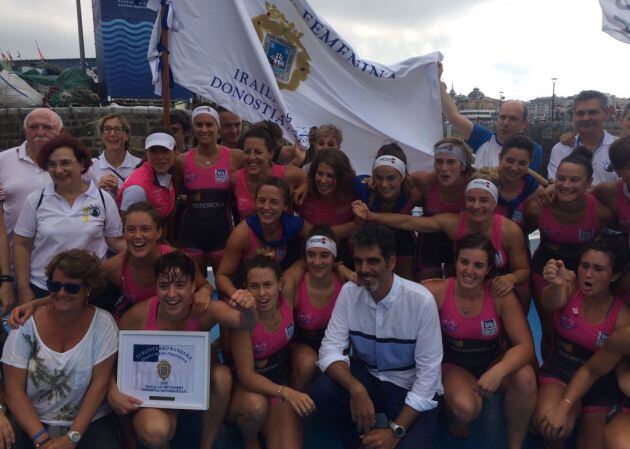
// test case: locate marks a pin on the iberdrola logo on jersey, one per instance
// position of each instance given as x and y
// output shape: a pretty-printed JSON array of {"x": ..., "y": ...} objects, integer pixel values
[{"x": 281, "y": 42}]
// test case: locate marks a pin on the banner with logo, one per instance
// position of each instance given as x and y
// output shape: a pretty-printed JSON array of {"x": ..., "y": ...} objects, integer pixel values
[
  {"x": 278, "y": 60},
  {"x": 616, "y": 19}
]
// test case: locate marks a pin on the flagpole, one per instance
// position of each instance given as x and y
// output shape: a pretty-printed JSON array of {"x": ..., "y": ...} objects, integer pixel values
[{"x": 166, "y": 88}]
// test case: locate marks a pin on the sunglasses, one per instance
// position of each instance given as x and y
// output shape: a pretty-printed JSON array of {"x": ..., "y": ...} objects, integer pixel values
[{"x": 69, "y": 287}]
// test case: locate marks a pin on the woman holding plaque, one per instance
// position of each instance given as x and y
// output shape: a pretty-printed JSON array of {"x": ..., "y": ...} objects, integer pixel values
[
  {"x": 261, "y": 399},
  {"x": 57, "y": 366},
  {"x": 171, "y": 310}
]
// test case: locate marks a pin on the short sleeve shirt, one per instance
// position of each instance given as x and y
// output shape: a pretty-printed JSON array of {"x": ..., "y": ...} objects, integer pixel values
[
  {"x": 101, "y": 167},
  {"x": 57, "y": 381},
  {"x": 56, "y": 226}
]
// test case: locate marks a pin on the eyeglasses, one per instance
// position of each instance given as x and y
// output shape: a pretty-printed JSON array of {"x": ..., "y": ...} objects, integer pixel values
[
  {"x": 64, "y": 163},
  {"x": 70, "y": 287},
  {"x": 114, "y": 129}
]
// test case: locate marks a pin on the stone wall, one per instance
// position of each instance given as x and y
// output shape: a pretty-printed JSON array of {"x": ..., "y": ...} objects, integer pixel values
[{"x": 83, "y": 124}]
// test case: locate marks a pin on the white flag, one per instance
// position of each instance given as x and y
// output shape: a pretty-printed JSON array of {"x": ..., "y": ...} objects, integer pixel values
[
  {"x": 277, "y": 60},
  {"x": 616, "y": 19}
]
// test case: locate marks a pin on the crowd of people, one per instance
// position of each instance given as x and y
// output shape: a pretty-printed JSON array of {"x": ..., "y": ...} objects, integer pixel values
[{"x": 333, "y": 296}]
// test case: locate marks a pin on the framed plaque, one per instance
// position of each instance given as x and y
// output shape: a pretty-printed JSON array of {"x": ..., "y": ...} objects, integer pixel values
[{"x": 165, "y": 369}]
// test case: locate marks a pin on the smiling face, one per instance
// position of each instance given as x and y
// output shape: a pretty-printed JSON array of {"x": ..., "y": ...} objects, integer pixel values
[
  {"x": 589, "y": 116},
  {"x": 263, "y": 284},
  {"x": 257, "y": 155},
  {"x": 595, "y": 273},
  {"x": 513, "y": 164},
  {"x": 161, "y": 159},
  {"x": 205, "y": 129},
  {"x": 141, "y": 234},
  {"x": 388, "y": 182},
  {"x": 114, "y": 136},
  {"x": 327, "y": 142},
  {"x": 448, "y": 169},
  {"x": 64, "y": 301},
  {"x": 174, "y": 292},
  {"x": 63, "y": 167},
  {"x": 270, "y": 203},
  {"x": 471, "y": 267},
  {"x": 42, "y": 126},
  {"x": 572, "y": 182},
  {"x": 374, "y": 271},
  {"x": 325, "y": 179},
  {"x": 319, "y": 262},
  {"x": 479, "y": 205}
]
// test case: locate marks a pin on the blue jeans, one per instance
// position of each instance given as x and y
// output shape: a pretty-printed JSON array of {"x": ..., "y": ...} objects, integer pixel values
[{"x": 333, "y": 404}]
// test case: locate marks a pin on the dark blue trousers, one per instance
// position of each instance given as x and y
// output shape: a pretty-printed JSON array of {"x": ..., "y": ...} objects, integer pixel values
[{"x": 333, "y": 404}]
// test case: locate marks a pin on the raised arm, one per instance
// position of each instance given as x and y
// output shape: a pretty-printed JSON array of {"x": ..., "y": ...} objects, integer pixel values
[
  {"x": 435, "y": 223},
  {"x": 561, "y": 284},
  {"x": 462, "y": 124}
]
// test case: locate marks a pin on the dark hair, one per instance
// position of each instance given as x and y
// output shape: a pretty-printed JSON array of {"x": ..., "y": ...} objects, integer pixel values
[
  {"x": 274, "y": 130},
  {"x": 262, "y": 261},
  {"x": 590, "y": 95},
  {"x": 147, "y": 208},
  {"x": 64, "y": 139},
  {"x": 79, "y": 264},
  {"x": 172, "y": 263},
  {"x": 476, "y": 241},
  {"x": 178, "y": 117},
  {"x": 392, "y": 149},
  {"x": 323, "y": 230},
  {"x": 614, "y": 245},
  {"x": 344, "y": 173},
  {"x": 580, "y": 156},
  {"x": 521, "y": 142},
  {"x": 373, "y": 234},
  {"x": 261, "y": 133},
  {"x": 278, "y": 183},
  {"x": 619, "y": 152}
]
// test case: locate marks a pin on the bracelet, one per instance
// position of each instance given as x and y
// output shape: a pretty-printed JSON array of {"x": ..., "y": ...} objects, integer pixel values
[
  {"x": 41, "y": 443},
  {"x": 568, "y": 401},
  {"x": 279, "y": 392},
  {"x": 39, "y": 434},
  {"x": 6, "y": 278}
]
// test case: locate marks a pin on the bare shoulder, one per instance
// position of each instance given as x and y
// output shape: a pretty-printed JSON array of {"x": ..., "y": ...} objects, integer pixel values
[{"x": 136, "y": 317}]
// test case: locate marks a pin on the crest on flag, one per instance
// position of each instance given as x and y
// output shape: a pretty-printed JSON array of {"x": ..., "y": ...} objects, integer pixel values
[{"x": 281, "y": 43}]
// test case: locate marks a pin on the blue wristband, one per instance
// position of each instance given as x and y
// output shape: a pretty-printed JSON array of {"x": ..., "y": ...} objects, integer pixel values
[{"x": 39, "y": 434}]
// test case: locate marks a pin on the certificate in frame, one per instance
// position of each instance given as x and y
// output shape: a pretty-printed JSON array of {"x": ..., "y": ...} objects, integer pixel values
[{"x": 165, "y": 369}]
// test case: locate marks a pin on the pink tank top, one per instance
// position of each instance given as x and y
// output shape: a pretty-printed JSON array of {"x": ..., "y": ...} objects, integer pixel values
[
  {"x": 216, "y": 176},
  {"x": 309, "y": 317},
  {"x": 320, "y": 211},
  {"x": 486, "y": 325},
  {"x": 245, "y": 202},
  {"x": 433, "y": 205},
  {"x": 571, "y": 324},
  {"x": 500, "y": 256},
  {"x": 193, "y": 324},
  {"x": 575, "y": 234},
  {"x": 264, "y": 343},
  {"x": 622, "y": 209}
]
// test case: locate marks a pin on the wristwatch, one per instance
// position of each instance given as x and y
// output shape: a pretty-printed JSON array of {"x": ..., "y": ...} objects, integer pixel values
[
  {"x": 6, "y": 278},
  {"x": 399, "y": 431},
  {"x": 74, "y": 436}
]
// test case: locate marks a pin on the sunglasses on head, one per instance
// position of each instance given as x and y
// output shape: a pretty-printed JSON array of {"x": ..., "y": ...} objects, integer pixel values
[{"x": 70, "y": 287}]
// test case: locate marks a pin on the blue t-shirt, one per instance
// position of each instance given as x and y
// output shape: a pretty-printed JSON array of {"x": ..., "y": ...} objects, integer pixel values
[{"x": 481, "y": 135}]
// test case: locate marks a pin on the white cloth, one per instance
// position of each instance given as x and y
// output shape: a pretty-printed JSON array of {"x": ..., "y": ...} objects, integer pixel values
[
  {"x": 101, "y": 167},
  {"x": 398, "y": 338},
  {"x": 56, "y": 226},
  {"x": 616, "y": 19},
  {"x": 136, "y": 194},
  {"x": 602, "y": 169},
  {"x": 286, "y": 64},
  {"x": 488, "y": 153},
  {"x": 19, "y": 176},
  {"x": 57, "y": 381}
]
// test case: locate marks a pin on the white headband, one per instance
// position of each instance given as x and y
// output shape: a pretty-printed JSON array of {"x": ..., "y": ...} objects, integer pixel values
[
  {"x": 159, "y": 140},
  {"x": 320, "y": 241},
  {"x": 391, "y": 161},
  {"x": 206, "y": 110},
  {"x": 453, "y": 150},
  {"x": 486, "y": 185}
]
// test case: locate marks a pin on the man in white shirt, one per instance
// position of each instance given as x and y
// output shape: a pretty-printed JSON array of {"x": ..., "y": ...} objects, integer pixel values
[
  {"x": 19, "y": 172},
  {"x": 385, "y": 393},
  {"x": 590, "y": 110}
]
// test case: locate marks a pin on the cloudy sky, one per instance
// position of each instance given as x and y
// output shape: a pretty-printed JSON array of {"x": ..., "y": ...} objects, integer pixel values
[{"x": 514, "y": 46}]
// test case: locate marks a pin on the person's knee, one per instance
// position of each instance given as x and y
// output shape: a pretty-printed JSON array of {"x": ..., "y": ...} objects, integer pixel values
[
  {"x": 616, "y": 438},
  {"x": 304, "y": 362},
  {"x": 221, "y": 381},
  {"x": 154, "y": 433},
  {"x": 523, "y": 381},
  {"x": 464, "y": 408},
  {"x": 254, "y": 412}
]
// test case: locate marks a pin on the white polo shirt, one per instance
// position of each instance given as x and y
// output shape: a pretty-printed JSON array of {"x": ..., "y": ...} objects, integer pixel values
[
  {"x": 602, "y": 168},
  {"x": 101, "y": 166},
  {"x": 56, "y": 226},
  {"x": 19, "y": 176}
]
